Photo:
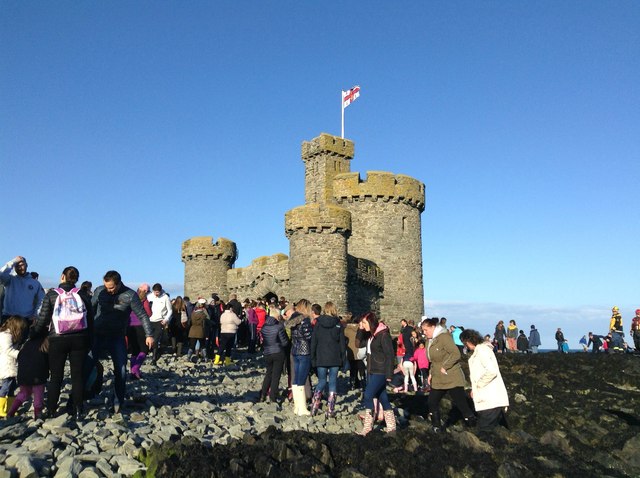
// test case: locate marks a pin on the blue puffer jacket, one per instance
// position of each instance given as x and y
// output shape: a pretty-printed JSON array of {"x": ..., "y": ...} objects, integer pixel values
[
  {"x": 274, "y": 337},
  {"x": 111, "y": 311}
]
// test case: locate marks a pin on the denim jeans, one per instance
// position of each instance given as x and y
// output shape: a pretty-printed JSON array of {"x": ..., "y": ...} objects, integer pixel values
[
  {"x": 322, "y": 379},
  {"x": 376, "y": 388},
  {"x": 8, "y": 386},
  {"x": 117, "y": 348},
  {"x": 616, "y": 340},
  {"x": 302, "y": 365}
]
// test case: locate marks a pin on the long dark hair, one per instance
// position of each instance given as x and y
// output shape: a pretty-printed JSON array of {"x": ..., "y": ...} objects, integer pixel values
[
  {"x": 71, "y": 275},
  {"x": 372, "y": 320},
  {"x": 178, "y": 305}
]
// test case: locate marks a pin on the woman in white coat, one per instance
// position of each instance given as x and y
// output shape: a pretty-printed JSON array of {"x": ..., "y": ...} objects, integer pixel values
[{"x": 487, "y": 387}]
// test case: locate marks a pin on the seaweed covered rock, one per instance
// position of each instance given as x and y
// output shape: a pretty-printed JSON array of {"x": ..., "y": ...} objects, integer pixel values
[{"x": 570, "y": 415}]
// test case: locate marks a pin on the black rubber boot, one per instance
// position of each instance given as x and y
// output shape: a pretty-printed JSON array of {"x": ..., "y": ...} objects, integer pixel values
[{"x": 436, "y": 422}]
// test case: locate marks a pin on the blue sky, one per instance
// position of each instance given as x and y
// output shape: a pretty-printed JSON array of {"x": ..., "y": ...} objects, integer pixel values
[{"x": 128, "y": 127}]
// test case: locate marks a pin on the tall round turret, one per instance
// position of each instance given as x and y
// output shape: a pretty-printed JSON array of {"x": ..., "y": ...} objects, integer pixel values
[
  {"x": 318, "y": 253},
  {"x": 386, "y": 229},
  {"x": 206, "y": 264}
]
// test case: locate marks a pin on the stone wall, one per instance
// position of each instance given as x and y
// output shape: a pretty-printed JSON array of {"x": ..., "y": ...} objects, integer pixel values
[
  {"x": 265, "y": 274},
  {"x": 318, "y": 253},
  {"x": 324, "y": 157},
  {"x": 206, "y": 264},
  {"x": 386, "y": 229},
  {"x": 364, "y": 287},
  {"x": 355, "y": 242}
]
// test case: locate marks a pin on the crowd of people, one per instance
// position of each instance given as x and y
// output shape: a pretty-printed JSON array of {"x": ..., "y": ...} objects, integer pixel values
[
  {"x": 510, "y": 340},
  {"x": 42, "y": 330}
]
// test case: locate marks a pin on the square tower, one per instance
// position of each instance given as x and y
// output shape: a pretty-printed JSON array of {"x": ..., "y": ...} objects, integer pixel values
[{"x": 324, "y": 158}]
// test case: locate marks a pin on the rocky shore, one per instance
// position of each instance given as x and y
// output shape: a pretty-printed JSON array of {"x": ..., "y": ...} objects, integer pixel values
[{"x": 571, "y": 415}]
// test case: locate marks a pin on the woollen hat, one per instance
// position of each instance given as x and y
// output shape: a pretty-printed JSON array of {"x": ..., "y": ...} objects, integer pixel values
[
  {"x": 637, "y": 311},
  {"x": 202, "y": 301}
]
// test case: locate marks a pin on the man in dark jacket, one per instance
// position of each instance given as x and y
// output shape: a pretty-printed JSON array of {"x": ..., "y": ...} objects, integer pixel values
[
  {"x": 235, "y": 304},
  {"x": 112, "y": 303},
  {"x": 522, "y": 343},
  {"x": 559, "y": 339},
  {"x": 596, "y": 340}
]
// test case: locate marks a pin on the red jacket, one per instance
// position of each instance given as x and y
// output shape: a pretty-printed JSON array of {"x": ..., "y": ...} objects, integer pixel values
[{"x": 262, "y": 316}]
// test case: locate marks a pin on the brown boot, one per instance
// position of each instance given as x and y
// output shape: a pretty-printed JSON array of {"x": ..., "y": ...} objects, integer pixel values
[{"x": 367, "y": 423}]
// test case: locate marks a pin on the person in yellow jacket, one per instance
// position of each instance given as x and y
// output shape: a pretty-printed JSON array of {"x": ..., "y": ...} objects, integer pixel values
[{"x": 615, "y": 327}]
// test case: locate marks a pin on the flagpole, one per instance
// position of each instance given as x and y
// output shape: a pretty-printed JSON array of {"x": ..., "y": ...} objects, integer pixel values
[{"x": 342, "y": 108}]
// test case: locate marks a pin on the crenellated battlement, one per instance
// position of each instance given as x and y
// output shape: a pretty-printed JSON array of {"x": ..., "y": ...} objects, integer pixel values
[
  {"x": 382, "y": 185},
  {"x": 327, "y": 144},
  {"x": 204, "y": 247},
  {"x": 317, "y": 218},
  {"x": 275, "y": 266},
  {"x": 258, "y": 266}
]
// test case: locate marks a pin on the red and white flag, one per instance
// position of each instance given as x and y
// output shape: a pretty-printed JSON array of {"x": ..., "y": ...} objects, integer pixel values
[{"x": 350, "y": 96}]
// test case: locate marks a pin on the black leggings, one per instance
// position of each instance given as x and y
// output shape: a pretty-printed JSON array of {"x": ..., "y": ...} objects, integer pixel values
[
  {"x": 457, "y": 395},
  {"x": 75, "y": 347},
  {"x": 158, "y": 331},
  {"x": 136, "y": 340},
  {"x": 357, "y": 372},
  {"x": 226, "y": 344},
  {"x": 271, "y": 382}
]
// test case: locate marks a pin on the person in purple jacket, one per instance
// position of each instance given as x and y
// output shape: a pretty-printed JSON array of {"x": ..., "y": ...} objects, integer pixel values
[
  {"x": 135, "y": 335},
  {"x": 252, "y": 321}
]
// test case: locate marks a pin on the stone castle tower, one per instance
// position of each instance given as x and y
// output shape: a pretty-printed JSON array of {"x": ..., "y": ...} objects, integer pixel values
[{"x": 354, "y": 242}]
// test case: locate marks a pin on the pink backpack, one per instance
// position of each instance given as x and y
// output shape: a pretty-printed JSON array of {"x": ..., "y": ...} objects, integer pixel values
[{"x": 69, "y": 312}]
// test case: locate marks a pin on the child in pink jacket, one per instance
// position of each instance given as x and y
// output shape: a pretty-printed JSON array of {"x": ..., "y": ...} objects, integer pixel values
[{"x": 420, "y": 357}]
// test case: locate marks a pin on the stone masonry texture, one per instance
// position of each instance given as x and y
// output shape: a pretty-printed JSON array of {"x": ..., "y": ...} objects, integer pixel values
[{"x": 356, "y": 242}]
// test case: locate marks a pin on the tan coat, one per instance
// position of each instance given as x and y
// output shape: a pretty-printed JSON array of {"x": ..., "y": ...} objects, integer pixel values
[
  {"x": 198, "y": 320},
  {"x": 350, "y": 332},
  {"x": 444, "y": 353}
]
